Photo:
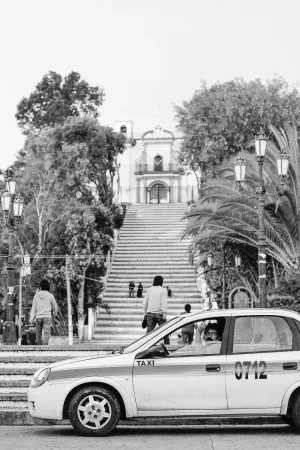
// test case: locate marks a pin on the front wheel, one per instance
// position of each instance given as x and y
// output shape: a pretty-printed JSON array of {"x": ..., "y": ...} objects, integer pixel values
[
  {"x": 296, "y": 412},
  {"x": 94, "y": 411}
]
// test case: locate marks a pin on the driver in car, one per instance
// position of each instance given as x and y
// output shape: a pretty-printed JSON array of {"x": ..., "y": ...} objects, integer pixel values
[{"x": 209, "y": 339}]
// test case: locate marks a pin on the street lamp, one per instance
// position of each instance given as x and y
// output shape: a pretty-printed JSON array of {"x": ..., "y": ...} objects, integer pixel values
[
  {"x": 283, "y": 167},
  {"x": 25, "y": 272},
  {"x": 240, "y": 171},
  {"x": 237, "y": 260},
  {"x": 260, "y": 143},
  {"x": 209, "y": 258},
  {"x": 12, "y": 207}
]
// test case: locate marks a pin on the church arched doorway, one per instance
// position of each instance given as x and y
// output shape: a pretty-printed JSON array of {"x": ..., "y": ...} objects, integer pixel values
[{"x": 158, "y": 193}]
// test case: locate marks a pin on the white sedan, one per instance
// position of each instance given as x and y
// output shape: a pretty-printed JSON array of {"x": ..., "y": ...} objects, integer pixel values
[{"x": 249, "y": 366}]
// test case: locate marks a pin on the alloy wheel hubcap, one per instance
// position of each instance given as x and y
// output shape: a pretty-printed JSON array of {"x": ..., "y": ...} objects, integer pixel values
[{"x": 94, "y": 411}]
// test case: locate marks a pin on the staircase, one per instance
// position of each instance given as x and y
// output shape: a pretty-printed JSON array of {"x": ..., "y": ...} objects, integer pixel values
[{"x": 149, "y": 245}]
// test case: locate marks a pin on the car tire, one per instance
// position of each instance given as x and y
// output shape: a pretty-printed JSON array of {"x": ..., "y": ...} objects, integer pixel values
[
  {"x": 288, "y": 420},
  {"x": 296, "y": 412},
  {"x": 94, "y": 411}
]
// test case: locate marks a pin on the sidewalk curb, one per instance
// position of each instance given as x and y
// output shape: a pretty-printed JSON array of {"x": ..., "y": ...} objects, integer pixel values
[{"x": 22, "y": 417}]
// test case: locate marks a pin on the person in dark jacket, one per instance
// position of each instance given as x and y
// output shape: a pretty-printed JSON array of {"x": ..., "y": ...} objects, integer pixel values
[
  {"x": 140, "y": 289},
  {"x": 44, "y": 304},
  {"x": 131, "y": 289}
]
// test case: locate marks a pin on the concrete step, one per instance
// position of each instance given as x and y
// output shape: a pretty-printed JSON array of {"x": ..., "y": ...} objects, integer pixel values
[
  {"x": 15, "y": 384},
  {"x": 178, "y": 296},
  {"x": 183, "y": 265},
  {"x": 156, "y": 245},
  {"x": 152, "y": 252},
  {"x": 121, "y": 330},
  {"x": 150, "y": 229},
  {"x": 13, "y": 397},
  {"x": 113, "y": 297},
  {"x": 176, "y": 287},
  {"x": 23, "y": 371},
  {"x": 125, "y": 322},
  {"x": 117, "y": 279},
  {"x": 120, "y": 306},
  {"x": 30, "y": 359},
  {"x": 161, "y": 259},
  {"x": 184, "y": 269}
]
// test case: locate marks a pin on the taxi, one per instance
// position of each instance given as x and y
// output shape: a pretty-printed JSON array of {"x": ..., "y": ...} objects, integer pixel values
[{"x": 241, "y": 362}]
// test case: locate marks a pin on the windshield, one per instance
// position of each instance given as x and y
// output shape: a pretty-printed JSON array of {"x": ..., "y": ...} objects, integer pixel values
[{"x": 142, "y": 340}]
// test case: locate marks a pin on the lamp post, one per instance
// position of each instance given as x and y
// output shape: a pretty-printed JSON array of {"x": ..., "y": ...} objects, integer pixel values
[
  {"x": 260, "y": 149},
  {"x": 240, "y": 171},
  {"x": 12, "y": 207},
  {"x": 26, "y": 272}
]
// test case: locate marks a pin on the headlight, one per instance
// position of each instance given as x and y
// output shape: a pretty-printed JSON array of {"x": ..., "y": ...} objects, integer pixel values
[{"x": 40, "y": 378}]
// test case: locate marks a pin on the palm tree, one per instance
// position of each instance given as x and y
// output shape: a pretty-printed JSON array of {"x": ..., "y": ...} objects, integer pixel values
[{"x": 230, "y": 215}]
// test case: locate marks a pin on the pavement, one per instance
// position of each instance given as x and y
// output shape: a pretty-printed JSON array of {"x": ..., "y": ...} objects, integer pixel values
[
  {"x": 15, "y": 417},
  {"x": 148, "y": 437}
]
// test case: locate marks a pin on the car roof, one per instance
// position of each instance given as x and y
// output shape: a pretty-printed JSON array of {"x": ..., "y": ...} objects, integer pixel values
[{"x": 244, "y": 312}]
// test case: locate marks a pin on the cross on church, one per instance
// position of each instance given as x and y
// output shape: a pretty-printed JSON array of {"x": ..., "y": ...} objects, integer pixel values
[{"x": 158, "y": 116}]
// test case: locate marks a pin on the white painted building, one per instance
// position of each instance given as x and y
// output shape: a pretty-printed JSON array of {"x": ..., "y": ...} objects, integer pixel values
[{"x": 148, "y": 171}]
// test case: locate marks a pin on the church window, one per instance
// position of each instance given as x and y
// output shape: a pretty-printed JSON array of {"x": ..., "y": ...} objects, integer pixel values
[
  {"x": 158, "y": 163},
  {"x": 123, "y": 129}
]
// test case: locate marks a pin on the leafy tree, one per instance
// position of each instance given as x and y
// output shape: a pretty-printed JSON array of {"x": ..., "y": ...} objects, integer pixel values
[
  {"x": 221, "y": 120},
  {"x": 88, "y": 153},
  {"x": 229, "y": 215},
  {"x": 55, "y": 98},
  {"x": 87, "y": 241},
  {"x": 64, "y": 174}
]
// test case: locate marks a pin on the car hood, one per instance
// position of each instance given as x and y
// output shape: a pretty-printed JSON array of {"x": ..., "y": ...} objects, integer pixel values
[{"x": 76, "y": 361}]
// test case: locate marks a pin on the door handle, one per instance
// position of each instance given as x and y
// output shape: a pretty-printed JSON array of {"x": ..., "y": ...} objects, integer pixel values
[
  {"x": 213, "y": 368},
  {"x": 290, "y": 366}
]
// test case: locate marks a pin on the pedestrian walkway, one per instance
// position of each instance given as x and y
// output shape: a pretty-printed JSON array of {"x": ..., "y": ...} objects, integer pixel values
[{"x": 150, "y": 244}]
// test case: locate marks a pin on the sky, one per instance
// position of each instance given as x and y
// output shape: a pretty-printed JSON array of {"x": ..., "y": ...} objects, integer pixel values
[{"x": 146, "y": 55}]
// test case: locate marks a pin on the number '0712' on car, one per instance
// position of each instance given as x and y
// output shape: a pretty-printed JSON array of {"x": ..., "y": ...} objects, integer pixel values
[{"x": 258, "y": 369}]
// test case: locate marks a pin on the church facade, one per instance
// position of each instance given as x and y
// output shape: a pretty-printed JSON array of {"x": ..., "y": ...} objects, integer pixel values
[{"x": 148, "y": 171}]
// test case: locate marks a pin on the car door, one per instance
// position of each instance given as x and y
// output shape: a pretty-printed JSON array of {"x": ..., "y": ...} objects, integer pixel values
[
  {"x": 183, "y": 381},
  {"x": 263, "y": 361}
]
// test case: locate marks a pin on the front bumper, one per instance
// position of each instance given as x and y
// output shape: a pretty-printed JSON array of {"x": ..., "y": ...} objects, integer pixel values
[{"x": 47, "y": 401}]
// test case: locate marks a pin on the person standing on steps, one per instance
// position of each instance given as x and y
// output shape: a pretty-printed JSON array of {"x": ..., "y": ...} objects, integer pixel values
[
  {"x": 140, "y": 289},
  {"x": 131, "y": 289},
  {"x": 187, "y": 332},
  {"x": 44, "y": 304},
  {"x": 155, "y": 305}
]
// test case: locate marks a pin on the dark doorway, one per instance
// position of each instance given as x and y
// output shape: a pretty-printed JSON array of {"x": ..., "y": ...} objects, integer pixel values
[{"x": 159, "y": 193}]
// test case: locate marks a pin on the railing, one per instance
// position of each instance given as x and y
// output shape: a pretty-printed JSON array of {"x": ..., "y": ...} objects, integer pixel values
[{"x": 150, "y": 168}]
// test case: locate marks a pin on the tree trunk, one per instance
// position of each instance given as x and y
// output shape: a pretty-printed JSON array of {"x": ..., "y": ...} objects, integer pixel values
[
  {"x": 275, "y": 274},
  {"x": 199, "y": 182}
]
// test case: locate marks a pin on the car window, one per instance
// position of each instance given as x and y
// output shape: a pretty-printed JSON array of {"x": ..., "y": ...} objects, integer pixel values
[
  {"x": 261, "y": 334},
  {"x": 203, "y": 337},
  {"x": 140, "y": 341}
]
